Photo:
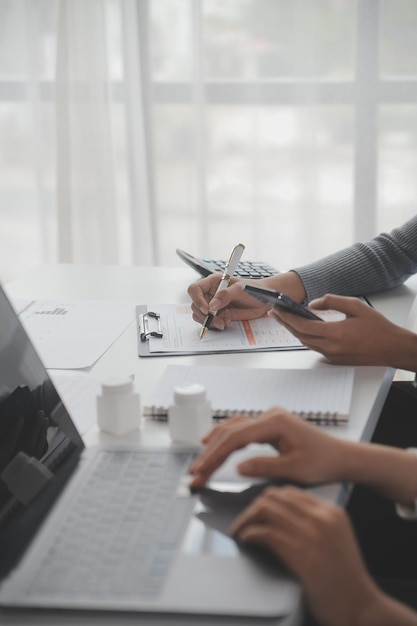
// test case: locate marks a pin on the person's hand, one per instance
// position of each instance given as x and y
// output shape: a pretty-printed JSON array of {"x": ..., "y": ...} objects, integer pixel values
[
  {"x": 306, "y": 453},
  {"x": 314, "y": 539},
  {"x": 365, "y": 337},
  {"x": 233, "y": 303}
]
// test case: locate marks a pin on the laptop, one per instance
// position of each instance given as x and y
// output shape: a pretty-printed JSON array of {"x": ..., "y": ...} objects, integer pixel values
[{"x": 113, "y": 529}]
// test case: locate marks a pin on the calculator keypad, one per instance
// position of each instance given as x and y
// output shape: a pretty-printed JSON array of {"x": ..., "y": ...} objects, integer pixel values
[{"x": 246, "y": 269}]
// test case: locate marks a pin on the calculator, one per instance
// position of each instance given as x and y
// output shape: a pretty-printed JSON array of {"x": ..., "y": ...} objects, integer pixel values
[{"x": 245, "y": 269}]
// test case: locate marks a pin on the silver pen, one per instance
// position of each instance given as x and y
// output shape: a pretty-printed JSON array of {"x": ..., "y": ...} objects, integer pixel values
[{"x": 229, "y": 270}]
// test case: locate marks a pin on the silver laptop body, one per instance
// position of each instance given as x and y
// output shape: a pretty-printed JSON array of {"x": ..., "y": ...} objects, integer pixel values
[{"x": 112, "y": 529}]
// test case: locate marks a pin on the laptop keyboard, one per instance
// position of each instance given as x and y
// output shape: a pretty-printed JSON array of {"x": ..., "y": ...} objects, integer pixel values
[{"x": 123, "y": 530}]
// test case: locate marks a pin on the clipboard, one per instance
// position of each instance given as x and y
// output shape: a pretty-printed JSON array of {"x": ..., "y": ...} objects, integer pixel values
[
  {"x": 148, "y": 325},
  {"x": 146, "y": 319},
  {"x": 169, "y": 330}
]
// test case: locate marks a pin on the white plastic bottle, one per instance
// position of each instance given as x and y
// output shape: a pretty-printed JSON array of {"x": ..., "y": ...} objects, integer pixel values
[
  {"x": 118, "y": 407},
  {"x": 190, "y": 415}
]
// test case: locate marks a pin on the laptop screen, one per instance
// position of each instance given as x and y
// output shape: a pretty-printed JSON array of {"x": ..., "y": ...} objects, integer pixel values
[{"x": 37, "y": 436}]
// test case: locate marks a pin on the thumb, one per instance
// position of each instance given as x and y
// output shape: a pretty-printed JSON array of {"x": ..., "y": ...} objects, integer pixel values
[
  {"x": 346, "y": 305},
  {"x": 262, "y": 466},
  {"x": 221, "y": 299}
]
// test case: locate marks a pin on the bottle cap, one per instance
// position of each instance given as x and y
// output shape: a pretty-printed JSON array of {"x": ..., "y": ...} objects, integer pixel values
[
  {"x": 190, "y": 395},
  {"x": 117, "y": 386}
]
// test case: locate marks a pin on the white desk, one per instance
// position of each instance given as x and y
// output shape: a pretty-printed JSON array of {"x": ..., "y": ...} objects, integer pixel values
[{"x": 163, "y": 285}]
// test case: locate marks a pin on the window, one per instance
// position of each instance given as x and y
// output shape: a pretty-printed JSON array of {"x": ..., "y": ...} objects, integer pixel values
[{"x": 290, "y": 126}]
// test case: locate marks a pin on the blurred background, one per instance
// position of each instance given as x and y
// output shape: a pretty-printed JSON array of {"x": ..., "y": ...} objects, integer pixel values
[{"x": 129, "y": 128}]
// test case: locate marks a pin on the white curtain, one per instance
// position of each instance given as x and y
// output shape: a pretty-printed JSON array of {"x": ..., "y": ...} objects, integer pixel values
[
  {"x": 90, "y": 210},
  {"x": 129, "y": 128}
]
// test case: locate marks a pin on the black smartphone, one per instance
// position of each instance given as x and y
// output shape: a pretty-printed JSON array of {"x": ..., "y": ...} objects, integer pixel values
[{"x": 275, "y": 298}]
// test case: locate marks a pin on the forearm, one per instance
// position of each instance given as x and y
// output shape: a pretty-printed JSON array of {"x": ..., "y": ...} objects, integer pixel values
[
  {"x": 363, "y": 268},
  {"x": 402, "y": 350},
  {"x": 390, "y": 471},
  {"x": 386, "y": 611},
  {"x": 367, "y": 607},
  {"x": 390, "y": 345},
  {"x": 289, "y": 283}
]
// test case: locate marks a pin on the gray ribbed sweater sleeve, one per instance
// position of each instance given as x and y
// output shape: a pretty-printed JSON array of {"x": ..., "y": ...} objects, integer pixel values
[{"x": 363, "y": 268}]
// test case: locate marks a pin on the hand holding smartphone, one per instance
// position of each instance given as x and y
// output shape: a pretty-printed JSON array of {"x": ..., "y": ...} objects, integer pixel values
[{"x": 275, "y": 298}]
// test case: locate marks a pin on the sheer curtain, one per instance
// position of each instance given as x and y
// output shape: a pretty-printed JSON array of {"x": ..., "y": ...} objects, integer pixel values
[{"x": 129, "y": 128}]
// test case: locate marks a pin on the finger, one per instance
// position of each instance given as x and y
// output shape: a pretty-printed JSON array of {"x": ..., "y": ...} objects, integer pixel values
[
  {"x": 280, "y": 541},
  {"x": 199, "y": 298},
  {"x": 233, "y": 435},
  {"x": 217, "y": 323},
  {"x": 214, "y": 455},
  {"x": 270, "y": 507},
  {"x": 314, "y": 540},
  {"x": 284, "y": 506},
  {"x": 228, "y": 423},
  {"x": 198, "y": 314},
  {"x": 267, "y": 466},
  {"x": 291, "y": 548},
  {"x": 221, "y": 299},
  {"x": 216, "y": 434},
  {"x": 322, "y": 336},
  {"x": 344, "y": 304},
  {"x": 256, "y": 467},
  {"x": 203, "y": 290},
  {"x": 263, "y": 509},
  {"x": 299, "y": 326}
]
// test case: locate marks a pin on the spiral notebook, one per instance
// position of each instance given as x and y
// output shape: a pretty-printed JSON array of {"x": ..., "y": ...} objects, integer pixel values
[{"x": 322, "y": 395}]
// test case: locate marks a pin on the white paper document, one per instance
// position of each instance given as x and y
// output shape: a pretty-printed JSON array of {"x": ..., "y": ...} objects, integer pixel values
[
  {"x": 73, "y": 334},
  {"x": 178, "y": 333}
]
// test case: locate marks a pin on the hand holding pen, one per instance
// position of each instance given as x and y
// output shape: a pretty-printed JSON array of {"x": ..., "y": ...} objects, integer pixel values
[{"x": 229, "y": 270}]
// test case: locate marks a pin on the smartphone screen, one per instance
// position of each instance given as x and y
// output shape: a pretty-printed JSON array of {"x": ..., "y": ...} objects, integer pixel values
[{"x": 275, "y": 298}]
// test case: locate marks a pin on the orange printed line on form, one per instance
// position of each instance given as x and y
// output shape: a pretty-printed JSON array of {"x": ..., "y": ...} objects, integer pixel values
[{"x": 248, "y": 332}]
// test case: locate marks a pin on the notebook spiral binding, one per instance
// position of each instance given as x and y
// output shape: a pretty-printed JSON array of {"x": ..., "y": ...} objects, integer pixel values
[
  {"x": 160, "y": 414},
  {"x": 323, "y": 419}
]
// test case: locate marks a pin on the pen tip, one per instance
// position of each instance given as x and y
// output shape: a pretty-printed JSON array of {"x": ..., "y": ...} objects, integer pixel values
[{"x": 203, "y": 331}]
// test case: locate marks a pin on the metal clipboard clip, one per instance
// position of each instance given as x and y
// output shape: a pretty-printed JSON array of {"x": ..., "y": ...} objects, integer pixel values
[{"x": 144, "y": 324}]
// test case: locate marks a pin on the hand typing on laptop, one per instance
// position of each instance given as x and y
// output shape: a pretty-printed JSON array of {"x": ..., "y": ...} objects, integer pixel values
[{"x": 313, "y": 537}]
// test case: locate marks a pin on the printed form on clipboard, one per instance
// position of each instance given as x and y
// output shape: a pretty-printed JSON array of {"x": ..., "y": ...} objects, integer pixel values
[{"x": 165, "y": 329}]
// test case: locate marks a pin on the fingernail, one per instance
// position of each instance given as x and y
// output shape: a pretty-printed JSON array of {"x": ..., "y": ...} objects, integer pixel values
[
  {"x": 245, "y": 467},
  {"x": 214, "y": 304}
]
